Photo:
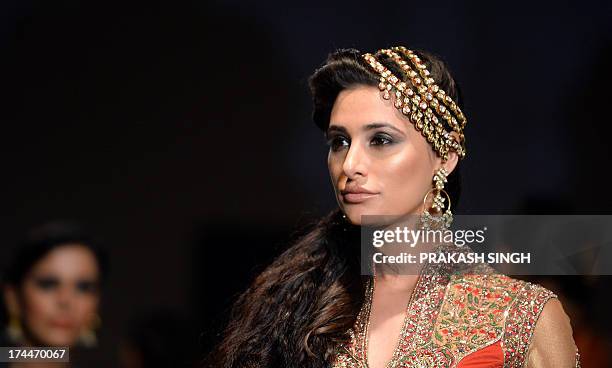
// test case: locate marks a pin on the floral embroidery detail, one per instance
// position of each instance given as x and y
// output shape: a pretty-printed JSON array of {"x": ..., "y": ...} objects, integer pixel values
[
  {"x": 453, "y": 313},
  {"x": 473, "y": 313}
]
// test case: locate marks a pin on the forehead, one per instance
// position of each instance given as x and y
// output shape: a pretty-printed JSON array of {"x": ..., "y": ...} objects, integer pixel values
[
  {"x": 363, "y": 105},
  {"x": 68, "y": 260}
]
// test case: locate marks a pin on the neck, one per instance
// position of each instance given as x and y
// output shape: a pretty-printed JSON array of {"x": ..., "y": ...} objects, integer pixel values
[{"x": 397, "y": 283}]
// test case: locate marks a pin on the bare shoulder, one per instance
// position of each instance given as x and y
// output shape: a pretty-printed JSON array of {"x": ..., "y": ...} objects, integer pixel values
[
  {"x": 552, "y": 343},
  {"x": 553, "y": 317}
]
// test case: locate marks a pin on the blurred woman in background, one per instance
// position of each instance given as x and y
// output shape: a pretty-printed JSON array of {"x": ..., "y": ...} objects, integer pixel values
[{"x": 51, "y": 289}]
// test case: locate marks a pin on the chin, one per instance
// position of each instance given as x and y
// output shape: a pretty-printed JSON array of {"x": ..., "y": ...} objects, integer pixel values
[
  {"x": 354, "y": 214},
  {"x": 59, "y": 339}
]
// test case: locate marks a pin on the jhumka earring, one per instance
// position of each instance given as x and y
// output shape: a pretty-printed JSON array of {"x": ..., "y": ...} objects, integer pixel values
[
  {"x": 14, "y": 330},
  {"x": 88, "y": 338},
  {"x": 436, "y": 220}
]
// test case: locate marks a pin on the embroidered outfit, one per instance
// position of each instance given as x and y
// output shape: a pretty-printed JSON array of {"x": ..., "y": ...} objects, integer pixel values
[
  {"x": 473, "y": 317},
  {"x": 458, "y": 316}
]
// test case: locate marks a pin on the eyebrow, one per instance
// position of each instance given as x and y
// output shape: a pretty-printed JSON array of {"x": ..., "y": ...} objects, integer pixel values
[{"x": 370, "y": 126}]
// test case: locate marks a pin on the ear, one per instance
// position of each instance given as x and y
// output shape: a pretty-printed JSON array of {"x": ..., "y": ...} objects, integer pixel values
[
  {"x": 11, "y": 300},
  {"x": 453, "y": 157}
]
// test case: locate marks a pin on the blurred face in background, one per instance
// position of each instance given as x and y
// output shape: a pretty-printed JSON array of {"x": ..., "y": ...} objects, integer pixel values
[
  {"x": 378, "y": 162},
  {"x": 58, "y": 298}
]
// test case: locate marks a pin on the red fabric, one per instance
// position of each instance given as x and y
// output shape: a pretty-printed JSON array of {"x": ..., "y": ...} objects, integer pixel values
[{"x": 490, "y": 357}]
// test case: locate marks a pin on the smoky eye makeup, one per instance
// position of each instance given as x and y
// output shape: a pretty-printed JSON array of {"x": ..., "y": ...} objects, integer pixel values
[
  {"x": 46, "y": 282},
  {"x": 385, "y": 138},
  {"x": 86, "y": 286},
  {"x": 336, "y": 141},
  {"x": 381, "y": 139},
  {"x": 49, "y": 283}
]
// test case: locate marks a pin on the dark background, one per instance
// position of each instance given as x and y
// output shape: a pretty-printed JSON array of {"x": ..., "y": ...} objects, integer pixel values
[{"x": 180, "y": 132}]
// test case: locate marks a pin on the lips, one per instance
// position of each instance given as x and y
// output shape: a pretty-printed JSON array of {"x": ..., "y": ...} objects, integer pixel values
[
  {"x": 357, "y": 195},
  {"x": 62, "y": 324}
]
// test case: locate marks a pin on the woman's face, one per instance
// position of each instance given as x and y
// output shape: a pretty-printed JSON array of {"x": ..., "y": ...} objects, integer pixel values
[
  {"x": 375, "y": 148},
  {"x": 59, "y": 296}
]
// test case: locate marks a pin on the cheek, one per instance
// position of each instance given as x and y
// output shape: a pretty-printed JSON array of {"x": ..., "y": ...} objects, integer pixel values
[
  {"x": 406, "y": 177},
  {"x": 334, "y": 165},
  {"x": 85, "y": 308},
  {"x": 38, "y": 305}
]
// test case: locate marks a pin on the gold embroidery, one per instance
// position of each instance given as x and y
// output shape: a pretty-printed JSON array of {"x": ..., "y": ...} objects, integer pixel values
[
  {"x": 473, "y": 313},
  {"x": 521, "y": 321},
  {"x": 451, "y": 317}
]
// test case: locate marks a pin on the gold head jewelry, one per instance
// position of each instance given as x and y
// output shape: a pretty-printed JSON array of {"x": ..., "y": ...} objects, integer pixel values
[{"x": 423, "y": 101}]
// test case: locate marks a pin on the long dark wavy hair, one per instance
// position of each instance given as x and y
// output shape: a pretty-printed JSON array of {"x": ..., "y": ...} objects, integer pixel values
[{"x": 300, "y": 307}]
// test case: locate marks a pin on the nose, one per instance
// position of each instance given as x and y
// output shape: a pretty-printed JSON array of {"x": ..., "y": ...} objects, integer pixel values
[
  {"x": 355, "y": 162},
  {"x": 64, "y": 298}
]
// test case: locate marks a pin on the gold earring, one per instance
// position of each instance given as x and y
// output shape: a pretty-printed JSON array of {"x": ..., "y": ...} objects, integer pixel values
[
  {"x": 14, "y": 329},
  {"x": 88, "y": 338},
  {"x": 429, "y": 221}
]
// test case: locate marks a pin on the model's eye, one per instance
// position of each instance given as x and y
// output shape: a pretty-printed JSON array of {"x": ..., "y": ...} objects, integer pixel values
[
  {"x": 381, "y": 139},
  {"x": 86, "y": 286},
  {"x": 47, "y": 283},
  {"x": 337, "y": 142}
]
